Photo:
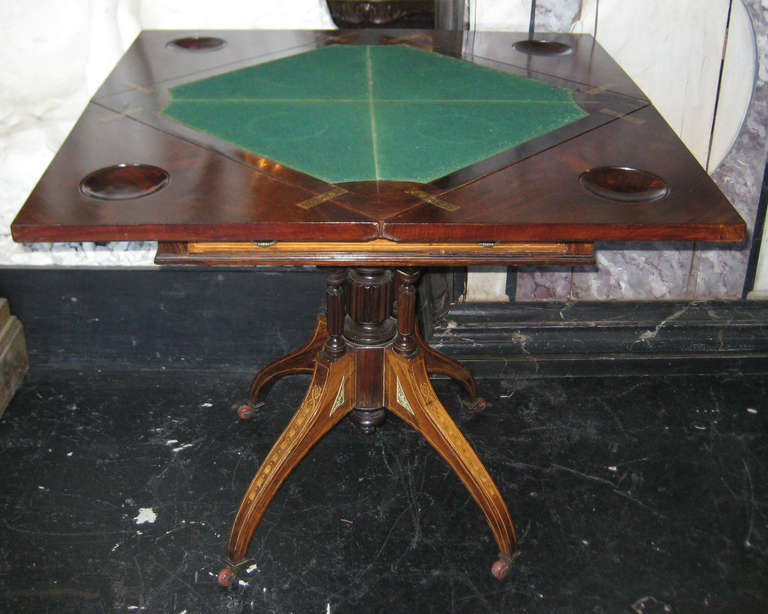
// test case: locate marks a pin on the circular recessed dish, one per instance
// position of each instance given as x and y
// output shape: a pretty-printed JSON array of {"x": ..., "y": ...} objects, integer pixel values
[
  {"x": 539, "y": 47},
  {"x": 197, "y": 43},
  {"x": 124, "y": 181},
  {"x": 624, "y": 184}
]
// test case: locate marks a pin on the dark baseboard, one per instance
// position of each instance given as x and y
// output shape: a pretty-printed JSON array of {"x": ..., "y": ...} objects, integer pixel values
[
  {"x": 240, "y": 319},
  {"x": 205, "y": 319},
  {"x": 606, "y": 338}
]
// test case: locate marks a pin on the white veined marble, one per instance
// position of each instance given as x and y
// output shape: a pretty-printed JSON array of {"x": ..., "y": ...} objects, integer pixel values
[
  {"x": 509, "y": 16},
  {"x": 672, "y": 50},
  {"x": 514, "y": 15},
  {"x": 486, "y": 284},
  {"x": 737, "y": 85}
]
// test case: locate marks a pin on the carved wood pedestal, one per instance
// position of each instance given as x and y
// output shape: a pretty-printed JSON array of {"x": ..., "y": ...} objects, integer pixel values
[{"x": 367, "y": 357}]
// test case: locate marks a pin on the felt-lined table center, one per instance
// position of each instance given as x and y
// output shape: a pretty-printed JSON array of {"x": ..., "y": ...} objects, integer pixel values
[{"x": 362, "y": 113}]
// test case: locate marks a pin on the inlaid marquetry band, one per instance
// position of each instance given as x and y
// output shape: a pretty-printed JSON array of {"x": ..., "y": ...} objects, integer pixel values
[
  {"x": 402, "y": 400},
  {"x": 432, "y": 200},
  {"x": 599, "y": 89},
  {"x": 339, "y": 400},
  {"x": 321, "y": 198}
]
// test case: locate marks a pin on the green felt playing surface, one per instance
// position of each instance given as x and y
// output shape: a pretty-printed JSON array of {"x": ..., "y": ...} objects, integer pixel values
[{"x": 361, "y": 113}]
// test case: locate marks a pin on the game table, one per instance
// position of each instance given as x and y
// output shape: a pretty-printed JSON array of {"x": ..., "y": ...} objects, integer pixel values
[{"x": 374, "y": 154}]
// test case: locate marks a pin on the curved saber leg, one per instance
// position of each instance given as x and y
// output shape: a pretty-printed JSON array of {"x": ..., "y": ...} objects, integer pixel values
[
  {"x": 411, "y": 397},
  {"x": 301, "y": 360},
  {"x": 437, "y": 362},
  {"x": 328, "y": 400}
]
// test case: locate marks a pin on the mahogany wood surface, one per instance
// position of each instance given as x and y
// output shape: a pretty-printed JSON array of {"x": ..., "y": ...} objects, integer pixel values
[
  {"x": 219, "y": 192},
  {"x": 548, "y": 205},
  {"x": 302, "y": 360},
  {"x": 380, "y": 252},
  {"x": 329, "y": 398},
  {"x": 405, "y": 342},
  {"x": 437, "y": 362},
  {"x": 411, "y": 398}
]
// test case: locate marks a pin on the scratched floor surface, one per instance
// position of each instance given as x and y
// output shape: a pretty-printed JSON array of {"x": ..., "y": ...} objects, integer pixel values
[{"x": 636, "y": 495}]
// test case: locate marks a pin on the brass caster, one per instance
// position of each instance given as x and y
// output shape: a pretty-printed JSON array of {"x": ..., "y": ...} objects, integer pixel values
[{"x": 500, "y": 567}]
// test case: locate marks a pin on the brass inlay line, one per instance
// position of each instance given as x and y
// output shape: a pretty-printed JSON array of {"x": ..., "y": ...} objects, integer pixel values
[
  {"x": 124, "y": 114},
  {"x": 402, "y": 400},
  {"x": 141, "y": 88},
  {"x": 624, "y": 116},
  {"x": 321, "y": 198},
  {"x": 599, "y": 89},
  {"x": 433, "y": 200},
  {"x": 339, "y": 400},
  {"x": 376, "y": 245},
  {"x": 253, "y": 100}
]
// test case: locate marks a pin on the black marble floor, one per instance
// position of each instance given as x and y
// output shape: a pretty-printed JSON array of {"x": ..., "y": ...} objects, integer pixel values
[{"x": 636, "y": 495}]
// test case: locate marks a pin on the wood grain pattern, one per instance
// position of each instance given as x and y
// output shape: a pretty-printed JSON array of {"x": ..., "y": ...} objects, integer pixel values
[
  {"x": 551, "y": 205},
  {"x": 411, "y": 398},
  {"x": 208, "y": 196},
  {"x": 329, "y": 398},
  {"x": 405, "y": 296},
  {"x": 219, "y": 192},
  {"x": 335, "y": 311},
  {"x": 437, "y": 362},
  {"x": 380, "y": 252},
  {"x": 14, "y": 360}
]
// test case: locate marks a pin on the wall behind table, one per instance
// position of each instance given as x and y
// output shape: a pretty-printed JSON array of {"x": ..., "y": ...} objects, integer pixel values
[{"x": 673, "y": 51}]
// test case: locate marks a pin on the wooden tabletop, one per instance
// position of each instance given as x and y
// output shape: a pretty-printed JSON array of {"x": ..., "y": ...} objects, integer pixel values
[{"x": 129, "y": 172}]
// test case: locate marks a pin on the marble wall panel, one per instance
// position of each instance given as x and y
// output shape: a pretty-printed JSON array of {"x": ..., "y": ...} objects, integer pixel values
[
  {"x": 543, "y": 285},
  {"x": 737, "y": 83},
  {"x": 629, "y": 273},
  {"x": 486, "y": 284},
  {"x": 559, "y": 15},
  {"x": 514, "y": 15},
  {"x": 672, "y": 50},
  {"x": 721, "y": 273},
  {"x": 682, "y": 271}
]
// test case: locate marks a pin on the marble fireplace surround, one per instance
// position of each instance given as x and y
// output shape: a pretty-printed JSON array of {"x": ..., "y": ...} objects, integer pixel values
[{"x": 676, "y": 61}]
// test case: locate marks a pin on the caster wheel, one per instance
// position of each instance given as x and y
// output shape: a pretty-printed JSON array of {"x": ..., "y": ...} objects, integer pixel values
[
  {"x": 245, "y": 412},
  {"x": 477, "y": 405},
  {"x": 499, "y": 569},
  {"x": 226, "y": 577}
]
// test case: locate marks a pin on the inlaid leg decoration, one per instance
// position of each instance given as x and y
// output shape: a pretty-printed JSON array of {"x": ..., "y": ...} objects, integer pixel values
[
  {"x": 301, "y": 360},
  {"x": 328, "y": 400},
  {"x": 410, "y": 396},
  {"x": 437, "y": 362}
]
